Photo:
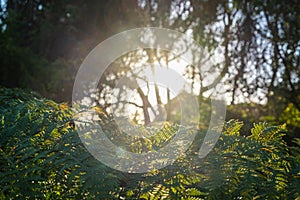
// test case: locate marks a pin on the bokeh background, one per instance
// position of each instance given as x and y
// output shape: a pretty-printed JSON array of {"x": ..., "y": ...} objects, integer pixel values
[{"x": 43, "y": 43}]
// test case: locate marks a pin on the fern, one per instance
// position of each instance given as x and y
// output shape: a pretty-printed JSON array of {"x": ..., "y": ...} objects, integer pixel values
[{"x": 42, "y": 157}]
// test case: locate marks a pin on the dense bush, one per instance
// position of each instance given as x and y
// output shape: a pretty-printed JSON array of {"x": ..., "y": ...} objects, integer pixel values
[
  {"x": 41, "y": 154},
  {"x": 42, "y": 157}
]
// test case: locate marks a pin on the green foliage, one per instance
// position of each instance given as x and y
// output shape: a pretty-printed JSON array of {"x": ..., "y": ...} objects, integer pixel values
[
  {"x": 41, "y": 154},
  {"x": 283, "y": 114},
  {"x": 256, "y": 166},
  {"x": 291, "y": 115},
  {"x": 41, "y": 157}
]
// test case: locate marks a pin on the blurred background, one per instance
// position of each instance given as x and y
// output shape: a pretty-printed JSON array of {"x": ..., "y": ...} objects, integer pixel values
[{"x": 257, "y": 45}]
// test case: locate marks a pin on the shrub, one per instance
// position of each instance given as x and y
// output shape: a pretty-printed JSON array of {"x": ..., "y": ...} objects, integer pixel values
[{"x": 42, "y": 157}]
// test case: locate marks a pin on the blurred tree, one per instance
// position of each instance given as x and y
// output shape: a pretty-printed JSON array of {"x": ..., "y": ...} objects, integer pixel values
[{"x": 44, "y": 42}]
